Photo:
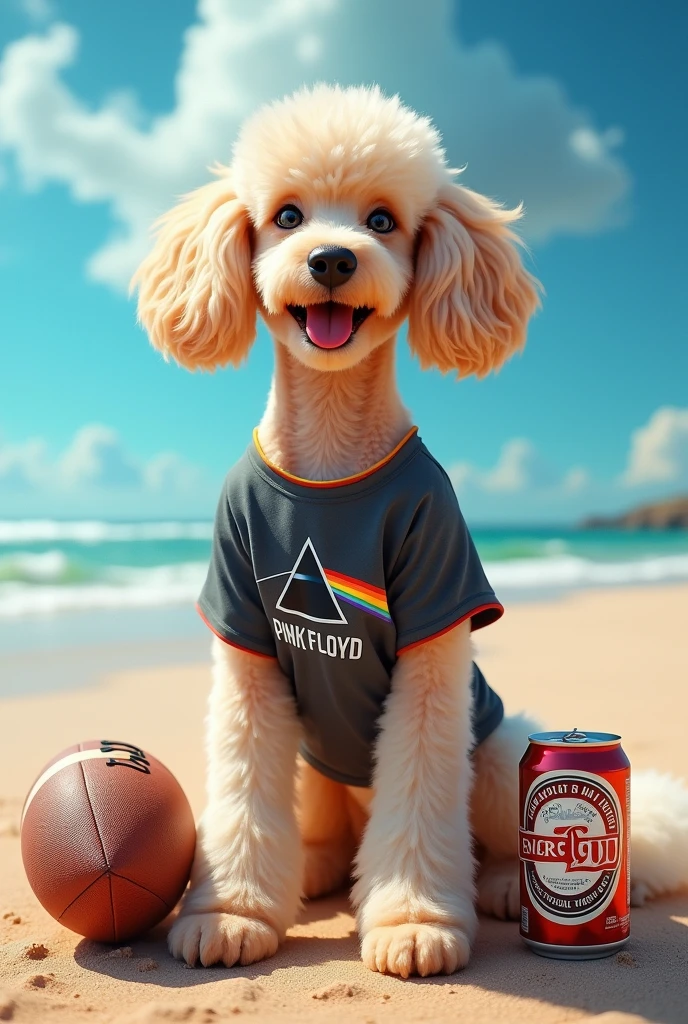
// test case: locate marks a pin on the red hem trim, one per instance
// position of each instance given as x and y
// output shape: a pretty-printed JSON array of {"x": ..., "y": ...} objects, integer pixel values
[
  {"x": 231, "y": 643},
  {"x": 441, "y": 632}
]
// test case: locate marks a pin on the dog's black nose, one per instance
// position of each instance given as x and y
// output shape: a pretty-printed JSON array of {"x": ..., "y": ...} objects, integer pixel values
[{"x": 331, "y": 265}]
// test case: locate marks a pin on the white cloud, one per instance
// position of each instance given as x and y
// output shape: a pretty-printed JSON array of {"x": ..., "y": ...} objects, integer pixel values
[
  {"x": 94, "y": 461},
  {"x": 38, "y": 11},
  {"x": 519, "y": 136},
  {"x": 576, "y": 480},
  {"x": 591, "y": 145},
  {"x": 22, "y": 466},
  {"x": 309, "y": 48},
  {"x": 169, "y": 472},
  {"x": 520, "y": 467},
  {"x": 95, "y": 458},
  {"x": 659, "y": 450},
  {"x": 461, "y": 474}
]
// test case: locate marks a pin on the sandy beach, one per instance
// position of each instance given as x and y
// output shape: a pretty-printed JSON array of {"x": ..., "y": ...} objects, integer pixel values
[{"x": 612, "y": 660}]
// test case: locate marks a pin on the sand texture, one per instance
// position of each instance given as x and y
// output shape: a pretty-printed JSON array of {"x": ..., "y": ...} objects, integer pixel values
[{"x": 609, "y": 660}]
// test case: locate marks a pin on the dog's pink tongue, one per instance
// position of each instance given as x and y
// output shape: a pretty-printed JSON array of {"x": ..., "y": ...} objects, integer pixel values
[{"x": 329, "y": 324}]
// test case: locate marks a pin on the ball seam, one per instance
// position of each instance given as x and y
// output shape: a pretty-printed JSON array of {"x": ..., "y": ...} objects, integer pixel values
[
  {"x": 105, "y": 856},
  {"x": 145, "y": 888},
  {"x": 89, "y": 886}
]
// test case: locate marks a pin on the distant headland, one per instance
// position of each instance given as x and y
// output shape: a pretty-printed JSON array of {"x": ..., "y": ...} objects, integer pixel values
[{"x": 670, "y": 514}]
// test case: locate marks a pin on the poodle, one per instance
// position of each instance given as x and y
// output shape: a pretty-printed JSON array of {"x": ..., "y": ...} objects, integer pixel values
[{"x": 349, "y": 731}]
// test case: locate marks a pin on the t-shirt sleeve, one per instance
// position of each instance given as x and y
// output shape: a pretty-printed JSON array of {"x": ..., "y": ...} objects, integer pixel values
[
  {"x": 230, "y": 602},
  {"x": 437, "y": 579}
]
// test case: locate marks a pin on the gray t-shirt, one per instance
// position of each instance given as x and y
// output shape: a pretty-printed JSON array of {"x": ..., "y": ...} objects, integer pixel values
[{"x": 336, "y": 579}]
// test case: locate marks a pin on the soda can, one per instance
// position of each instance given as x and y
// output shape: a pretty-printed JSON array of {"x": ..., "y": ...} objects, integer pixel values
[{"x": 575, "y": 791}]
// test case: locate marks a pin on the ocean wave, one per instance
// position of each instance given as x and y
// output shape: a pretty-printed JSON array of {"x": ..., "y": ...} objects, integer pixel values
[
  {"x": 37, "y": 567},
  {"x": 95, "y": 531},
  {"x": 120, "y": 587},
  {"x": 48, "y": 585},
  {"x": 514, "y": 548},
  {"x": 572, "y": 571}
]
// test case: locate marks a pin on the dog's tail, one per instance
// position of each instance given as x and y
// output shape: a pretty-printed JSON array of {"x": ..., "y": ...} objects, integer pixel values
[{"x": 659, "y": 835}]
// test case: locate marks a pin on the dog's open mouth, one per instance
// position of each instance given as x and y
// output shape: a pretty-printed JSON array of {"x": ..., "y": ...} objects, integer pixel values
[{"x": 329, "y": 325}]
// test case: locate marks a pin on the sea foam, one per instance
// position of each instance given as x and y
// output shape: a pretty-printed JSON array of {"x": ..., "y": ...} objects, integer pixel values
[
  {"x": 43, "y": 584},
  {"x": 95, "y": 531},
  {"x": 568, "y": 571}
]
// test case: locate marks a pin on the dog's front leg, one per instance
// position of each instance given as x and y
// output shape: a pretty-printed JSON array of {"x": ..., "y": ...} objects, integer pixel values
[
  {"x": 415, "y": 889},
  {"x": 246, "y": 878}
]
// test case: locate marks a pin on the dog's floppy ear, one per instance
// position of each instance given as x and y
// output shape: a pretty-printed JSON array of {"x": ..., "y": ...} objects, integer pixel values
[
  {"x": 471, "y": 296},
  {"x": 196, "y": 294}
]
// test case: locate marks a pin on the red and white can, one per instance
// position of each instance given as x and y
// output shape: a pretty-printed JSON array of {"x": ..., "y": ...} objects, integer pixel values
[{"x": 574, "y": 844}]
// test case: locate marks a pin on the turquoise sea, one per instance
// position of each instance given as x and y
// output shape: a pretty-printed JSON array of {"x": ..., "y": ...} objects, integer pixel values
[{"x": 48, "y": 567}]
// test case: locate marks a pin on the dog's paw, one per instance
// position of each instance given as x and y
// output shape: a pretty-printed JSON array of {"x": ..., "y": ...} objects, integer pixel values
[
  {"x": 423, "y": 949},
  {"x": 221, "y": 938},
  {"x": 499, "y": 890},
  {"x": 326, "y": 867}
]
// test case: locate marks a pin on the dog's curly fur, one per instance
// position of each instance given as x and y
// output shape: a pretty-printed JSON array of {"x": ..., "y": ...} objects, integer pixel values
[{"x": 452, "y": 268}]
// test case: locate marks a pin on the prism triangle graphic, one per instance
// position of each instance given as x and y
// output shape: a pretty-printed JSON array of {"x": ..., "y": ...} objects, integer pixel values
[{"x": 307, "y": 592}]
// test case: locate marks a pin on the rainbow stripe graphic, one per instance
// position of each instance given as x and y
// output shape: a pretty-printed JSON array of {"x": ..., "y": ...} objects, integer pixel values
[{"x": 361, "y": 595}]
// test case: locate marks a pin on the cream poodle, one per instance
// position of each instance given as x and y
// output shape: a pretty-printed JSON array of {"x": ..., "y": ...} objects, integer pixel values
[{"x": 337, "y": 220}]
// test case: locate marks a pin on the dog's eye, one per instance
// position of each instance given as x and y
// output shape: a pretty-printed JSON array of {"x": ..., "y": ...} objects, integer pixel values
[
  {"x": 289, "y": 217},
  {"x": 381, "y": 221}
]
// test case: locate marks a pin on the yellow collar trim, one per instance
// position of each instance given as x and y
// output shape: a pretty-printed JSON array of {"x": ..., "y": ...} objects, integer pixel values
[{"x": 331, "y": 483}]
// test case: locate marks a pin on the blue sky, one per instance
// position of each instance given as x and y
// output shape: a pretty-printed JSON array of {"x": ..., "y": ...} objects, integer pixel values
[{"x": 576, "y": 109}]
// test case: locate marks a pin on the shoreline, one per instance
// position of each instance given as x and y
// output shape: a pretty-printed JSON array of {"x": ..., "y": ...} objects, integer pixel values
[
  {"x": 72, "y": 650},
  {"x": 46, "y": 653}
]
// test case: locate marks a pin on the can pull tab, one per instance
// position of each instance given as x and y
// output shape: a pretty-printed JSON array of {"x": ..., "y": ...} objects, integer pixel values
[{"x": 575, "y": 736}]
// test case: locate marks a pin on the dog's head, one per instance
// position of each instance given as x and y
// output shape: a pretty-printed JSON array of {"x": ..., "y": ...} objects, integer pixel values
[{"x": 337, "y": 218}]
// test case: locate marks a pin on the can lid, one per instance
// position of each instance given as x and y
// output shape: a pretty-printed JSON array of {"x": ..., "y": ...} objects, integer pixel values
[{"x": 574, "y": 738}]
